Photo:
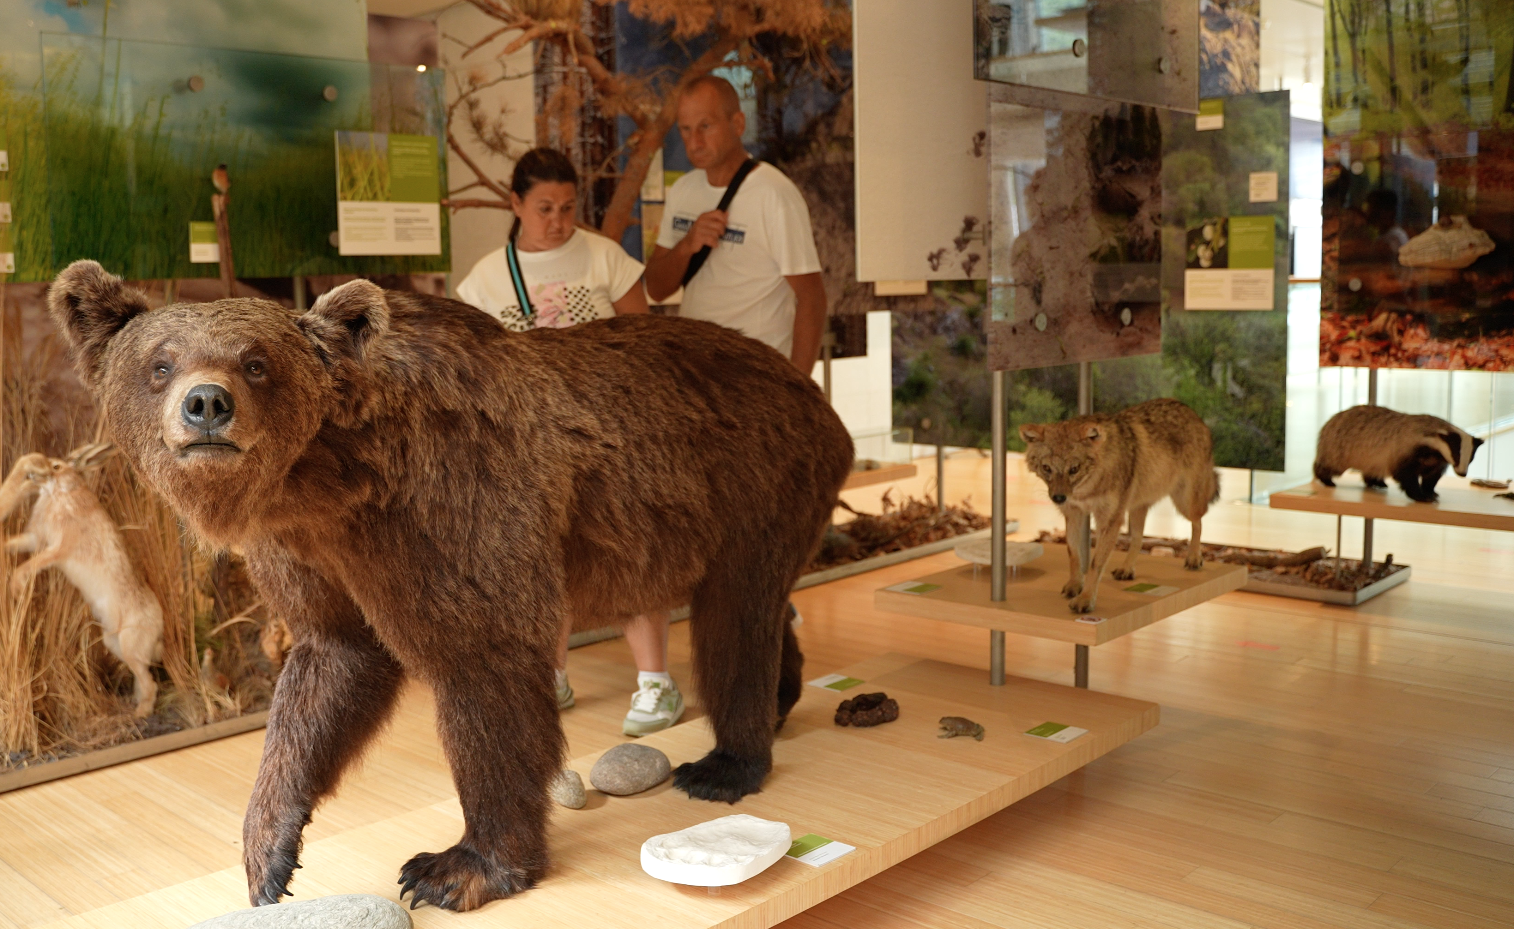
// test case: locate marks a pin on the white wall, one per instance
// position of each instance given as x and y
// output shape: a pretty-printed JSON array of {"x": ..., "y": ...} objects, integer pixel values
[
  {"x": 862, "y": 388},
  {"x": 476, "y": 232}
]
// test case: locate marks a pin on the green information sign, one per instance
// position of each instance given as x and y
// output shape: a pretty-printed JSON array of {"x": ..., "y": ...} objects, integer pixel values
[
  {"x": 413, "y": 174},
  {"x": 1252, "y": 241}
]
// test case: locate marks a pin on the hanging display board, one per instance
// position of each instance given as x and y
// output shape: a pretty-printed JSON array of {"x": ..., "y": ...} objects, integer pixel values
[
  {"x": 388, "y": 194},
  {"x": 1418, "y": 224}
]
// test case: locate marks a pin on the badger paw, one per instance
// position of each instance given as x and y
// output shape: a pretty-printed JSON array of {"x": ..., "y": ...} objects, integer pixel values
[
  {"x": 721, "y": 776},
  {"x": 460, "y": 879},
  {"x": 1123, "y": 574},
  {"x": 1072, "y": 588}
]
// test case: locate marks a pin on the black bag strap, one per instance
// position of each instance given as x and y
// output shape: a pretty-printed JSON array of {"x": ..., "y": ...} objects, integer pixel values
[{"x": 698, "y": 259}]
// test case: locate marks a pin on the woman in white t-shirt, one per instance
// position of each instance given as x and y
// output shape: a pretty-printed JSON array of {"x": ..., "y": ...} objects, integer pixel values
[{"x": 568, "y": 275}]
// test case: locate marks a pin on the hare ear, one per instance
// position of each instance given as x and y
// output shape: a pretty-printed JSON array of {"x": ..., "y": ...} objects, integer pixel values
[
  {"x": 1032, "y": 432},
  {"x": 92, "y": 455},
  {"x": 90, "y": 306}
]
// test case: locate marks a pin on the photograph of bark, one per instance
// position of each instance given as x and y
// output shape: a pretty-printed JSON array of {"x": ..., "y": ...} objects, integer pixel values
[
  {"x": 1418, "y": 263},
  {"x": 1083, "y": 282}
]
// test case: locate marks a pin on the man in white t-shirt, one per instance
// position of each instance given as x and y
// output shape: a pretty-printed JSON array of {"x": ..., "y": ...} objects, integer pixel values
[{"x": 762, "y": 276}]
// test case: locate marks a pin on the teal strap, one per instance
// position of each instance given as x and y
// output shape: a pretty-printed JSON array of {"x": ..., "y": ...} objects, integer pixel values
[{"x": 518, "y": 280}]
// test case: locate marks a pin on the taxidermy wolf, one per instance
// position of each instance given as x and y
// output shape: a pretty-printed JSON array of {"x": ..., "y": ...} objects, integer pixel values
[
  {"x": 70, "y": 530},
  {"x": 1107, "y": 466},
  {"x": 1379, "y": 442}
]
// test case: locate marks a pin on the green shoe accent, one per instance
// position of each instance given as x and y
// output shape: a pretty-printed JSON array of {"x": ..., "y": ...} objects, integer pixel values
[{"x": 653, "y": 709}]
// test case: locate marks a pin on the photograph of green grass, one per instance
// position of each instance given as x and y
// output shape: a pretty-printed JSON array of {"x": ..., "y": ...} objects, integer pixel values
[
  {"x": 362, "y": 166},
  {"x": 123, "y": 145}
]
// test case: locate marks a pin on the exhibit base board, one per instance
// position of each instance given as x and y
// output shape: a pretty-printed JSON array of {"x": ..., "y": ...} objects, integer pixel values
[{"x": 886, "y": 793}]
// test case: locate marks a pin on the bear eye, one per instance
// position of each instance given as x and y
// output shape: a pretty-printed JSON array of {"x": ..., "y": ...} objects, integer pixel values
[
  {"x": 1045, "y": 469},
  {"x": 254, "y": 369},
  {"x": 161, "y": 370}
]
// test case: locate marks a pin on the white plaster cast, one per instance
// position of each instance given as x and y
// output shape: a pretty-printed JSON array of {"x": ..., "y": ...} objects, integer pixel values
[
  {"x": 979, "y": 551},
  {"x": 717, "y": 853}
]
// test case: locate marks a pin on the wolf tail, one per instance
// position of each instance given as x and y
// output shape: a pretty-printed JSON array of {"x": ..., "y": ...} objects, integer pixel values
[{"x": 1214, "y": 494}]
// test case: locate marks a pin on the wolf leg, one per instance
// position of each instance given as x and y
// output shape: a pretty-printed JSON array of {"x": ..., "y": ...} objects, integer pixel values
[
  {"x": 1077, "y": 540},
  {"x": 1137, "y": 536},
  {"x": 1109, "y": 534}
]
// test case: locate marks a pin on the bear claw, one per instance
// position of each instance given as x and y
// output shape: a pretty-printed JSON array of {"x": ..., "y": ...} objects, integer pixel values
[
  {"x": 459, "y": 879},
  {"x": 720, "y": 776}
]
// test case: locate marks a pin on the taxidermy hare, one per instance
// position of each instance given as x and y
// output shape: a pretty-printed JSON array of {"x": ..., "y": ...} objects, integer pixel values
[{"x": 69, "y": 529}]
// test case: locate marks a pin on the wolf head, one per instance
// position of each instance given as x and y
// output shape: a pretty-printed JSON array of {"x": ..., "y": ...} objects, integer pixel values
[{"x": 1062, "y": 454}]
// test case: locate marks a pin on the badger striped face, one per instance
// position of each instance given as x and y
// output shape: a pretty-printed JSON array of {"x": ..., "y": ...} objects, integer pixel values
[{"x": 1463, "y": 448}]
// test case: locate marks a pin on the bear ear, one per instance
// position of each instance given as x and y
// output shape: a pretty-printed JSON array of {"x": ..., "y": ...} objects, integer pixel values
[
  {"x": 89, "y": 305},
  {"x": 347, "y": 320},
  {"x": 1032, "y": 432}
]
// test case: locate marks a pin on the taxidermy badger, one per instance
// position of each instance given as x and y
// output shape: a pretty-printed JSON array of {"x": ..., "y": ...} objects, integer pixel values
[{"x": 1379, "y": 442}]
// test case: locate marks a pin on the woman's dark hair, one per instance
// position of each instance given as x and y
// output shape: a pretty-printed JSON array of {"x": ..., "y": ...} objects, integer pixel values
[{"x": 540, "y": 166}]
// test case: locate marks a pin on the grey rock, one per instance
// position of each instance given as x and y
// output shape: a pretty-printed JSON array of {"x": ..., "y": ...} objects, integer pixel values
[
  {"x": 629, "y": 769},
  {"x": 344, "y": 911},
  {"x": 568, "y": 789}
]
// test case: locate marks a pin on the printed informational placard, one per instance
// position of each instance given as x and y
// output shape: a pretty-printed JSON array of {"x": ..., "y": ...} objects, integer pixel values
[
  {"x": 1230, "y": 264},
  {"x": 7, "y": 262},
  {"x": 1262, "y": 186},
  {"x": 817, "y": 850},
  {"x": 388, "y": 194},
  {"x": 1056, "y": 732},
  {"x": 204, "y": 247},
  {"x": 5, "y": 211},
  {"x": 836, "y": 682},
  {"x": 913, "y": 587},
  {"x": 1211, "y": 115}
]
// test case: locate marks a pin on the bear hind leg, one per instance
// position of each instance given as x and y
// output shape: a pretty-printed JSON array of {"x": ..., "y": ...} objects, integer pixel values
[
  {"x": 736, "y": 626},
  {"x": 791, "y": 668}
]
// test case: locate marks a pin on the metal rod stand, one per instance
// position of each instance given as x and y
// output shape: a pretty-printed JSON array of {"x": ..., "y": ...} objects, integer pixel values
[
  {"x": 1085, "y": 537},
  {"x": 940, "y": 479},
  {"x": 1367, "y": 522},
  {"x": 996, "y": 526},
  {"x": 300, "y": 296}
]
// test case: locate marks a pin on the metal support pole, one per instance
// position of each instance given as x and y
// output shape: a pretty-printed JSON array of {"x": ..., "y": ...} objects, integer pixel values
[
  {"x": 170, "y": 292},
  {"x": 300, "y": 297},
  {"x": 1085, "y": 555},
  {"x": 940, "y": 478},
  {"x": 996, "y": 526},
  {"x": 1367, "y": 523}
]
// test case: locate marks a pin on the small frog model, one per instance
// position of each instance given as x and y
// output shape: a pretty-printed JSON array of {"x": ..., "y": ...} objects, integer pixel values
[{"x": 953, "y": 726}]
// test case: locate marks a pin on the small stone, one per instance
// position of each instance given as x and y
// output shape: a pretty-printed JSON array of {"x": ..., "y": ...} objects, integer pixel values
[
  {"x": 345, "y": 911},
  {"x": 568, "y": 789},
  {"x": 629, "y": 769}
]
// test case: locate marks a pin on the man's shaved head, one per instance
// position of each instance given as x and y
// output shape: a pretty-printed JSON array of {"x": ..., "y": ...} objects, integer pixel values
[{"x": 730, "y": 102}]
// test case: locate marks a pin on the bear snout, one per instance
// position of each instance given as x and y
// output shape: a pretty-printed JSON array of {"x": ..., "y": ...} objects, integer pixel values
[{"x": 207, "y": 407}]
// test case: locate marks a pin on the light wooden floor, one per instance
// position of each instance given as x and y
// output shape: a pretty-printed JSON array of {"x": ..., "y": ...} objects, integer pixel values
[{"x": 1315, "y": 766}]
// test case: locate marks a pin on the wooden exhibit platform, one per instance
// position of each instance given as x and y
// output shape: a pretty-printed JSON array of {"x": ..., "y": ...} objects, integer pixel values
[
  {"x": 1034, "y": 604},
  {"x": 892, "y": 471},
  {"x": 890, "y": 791},
  {"x": 1469, "y": 507}
]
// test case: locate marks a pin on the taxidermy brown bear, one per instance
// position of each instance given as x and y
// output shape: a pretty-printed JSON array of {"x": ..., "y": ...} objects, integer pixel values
[{"x": 421, "y": 492}]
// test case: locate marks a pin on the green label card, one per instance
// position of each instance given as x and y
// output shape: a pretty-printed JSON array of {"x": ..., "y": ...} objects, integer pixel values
[
  {"x": 202, "y": 232},
  {"x": 914, "y": 587},
  {"x": 413, "y": 176},
  {"x": 1252, "y": 241},
  {"x": 836, "y": 682},
  {"x": 1211, "y": 115}
]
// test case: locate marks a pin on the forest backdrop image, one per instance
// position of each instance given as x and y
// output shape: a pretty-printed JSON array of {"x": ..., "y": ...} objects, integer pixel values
[{"x": 1419, "y": 185}]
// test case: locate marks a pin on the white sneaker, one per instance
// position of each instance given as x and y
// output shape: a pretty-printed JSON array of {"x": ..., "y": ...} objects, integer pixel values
[
  {"x": 654, "y": 707},
  {"x": 565, "y": 698}
]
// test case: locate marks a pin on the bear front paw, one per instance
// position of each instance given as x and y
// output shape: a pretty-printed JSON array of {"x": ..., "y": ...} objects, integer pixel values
[
  {"x": 459, "y": 879},
  {"x": 1072, "y": 588},
  {"x": 270, "y": 856},
  {"x": 1122, "y": 574},
  {"x": 721, "y": 776}
]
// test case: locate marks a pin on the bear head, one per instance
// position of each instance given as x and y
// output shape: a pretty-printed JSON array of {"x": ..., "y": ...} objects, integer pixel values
[{"x": 215, "y": 403}]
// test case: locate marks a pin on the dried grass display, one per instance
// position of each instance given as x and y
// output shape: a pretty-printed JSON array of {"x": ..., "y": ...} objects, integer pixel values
[
  {"x": 61, "y": 692},
  {"x": 898, "y": 527}
]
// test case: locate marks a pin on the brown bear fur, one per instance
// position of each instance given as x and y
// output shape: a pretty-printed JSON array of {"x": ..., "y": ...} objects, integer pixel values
[{"x": 423, "y": 493}]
